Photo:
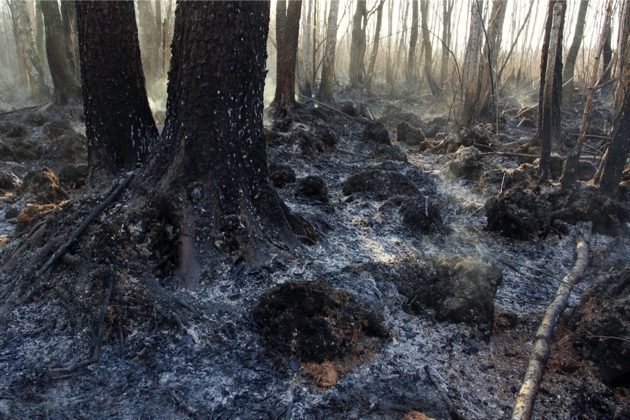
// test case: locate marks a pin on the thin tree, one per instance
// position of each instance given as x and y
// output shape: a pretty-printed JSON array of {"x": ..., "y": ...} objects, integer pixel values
[
  {"x": 548, "y": 111},
  {"x": 69, "y": 21},
  {"x": 29, "y": 61},
  {"x": 389, "y": 70},
  {"x": 489, "y": 83},
  {"x": 447, "y": 11},
  {"x": 287, "y": 32},
  {"x": 66, "y": 86},
  {"x": 118, "y": 121},
  {"x": 358, "y": 45},
  {"x": 569, "y": 172},
  {"x": 325, "y": 92},
  {"x": 215, "y": 149},
  {"x": 428, "y": 50},
  {"x": 307, "y": 45},
  {"x": 578, "y": 35},
  {"x": 376, "y": 43},
  {"x": 413, "y": 42}
]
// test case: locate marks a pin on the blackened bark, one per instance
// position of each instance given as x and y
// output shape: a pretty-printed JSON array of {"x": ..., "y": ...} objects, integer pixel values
[
  {"x": 543, "y": 69},
  {"x": 436, "y": 90},
  {"x": 118, "y": 121},
  {"x": 607, "y": 58},
  {"x": 214, "y": 145},
  {"x": 618, "y": 149},
  {"x": 69, "y": 20},
  {"x": 287, "y": 33},
  {"x": 375, "y": 44},
  {"x": 569, "y": 68},
  {"x": 328, "y": 67},
  {"x": 65, "y": 85}
]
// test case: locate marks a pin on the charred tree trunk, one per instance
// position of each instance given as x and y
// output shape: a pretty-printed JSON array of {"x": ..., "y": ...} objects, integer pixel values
[
  {"x": 358, "y": 46},
  {"x": 447, "y": 12},
  {"x": 607, "y": 57},
  {"x": 548, "y": 111},
  {"x": 40, "y": 36},
  {"x": 413, "y": 42},
  {"x": 148, "y": 35},
  {"x": 65, "y": 85},
  {"x": 389, "y": 71},
  {"x": 569, "y": 67},
  {"x": 428, "y": 50},
  {"x": 617, "y": 153},
  {"x": 325, "y": 92},
  {"x": 489, "y": 80},
  {"x": 118, "y": 122},
  {"x": 470, "y": 79},
  {"x": 376, "y": 43},
  {"x": 287, "y": 33},
  {"x": 28, "y": 59},
  {"x": 215, "y": 149}
]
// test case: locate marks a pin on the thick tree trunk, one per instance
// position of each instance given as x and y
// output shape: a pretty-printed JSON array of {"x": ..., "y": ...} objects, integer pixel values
[
  {"x": 548, "y": 111},
  {"x": 65, "y": 84},
  {"x": 40, "y": 36},
  {"x": 215, "y": 149},
  {"x": 376, "y": 43},
  {"x": 436, "y": 90},
  {"x": 358, "y": 46},
  {"x": 28, "y": 58},
  {"x": 470, "y": 79},
  {"x": 447, "y": 12},
  {"x": 325, "y": 92},
  {"x": 287, "y": 33},
  {"x": 569, "y": 67},
  {"x": 118, "y": 122},
  {"x": 413, "y": 42}
]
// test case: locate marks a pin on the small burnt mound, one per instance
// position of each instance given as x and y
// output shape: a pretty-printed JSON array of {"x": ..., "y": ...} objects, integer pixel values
[{"x": 316, "y": 323}]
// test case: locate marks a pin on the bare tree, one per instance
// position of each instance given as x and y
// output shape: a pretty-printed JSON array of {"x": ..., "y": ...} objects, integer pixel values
[
  {"x": 65, "y": 84},
  {"x": 470, "y": 80},
  {"x": 548, "y": 111},
  {"x": 428, "y": 50},
  {"x": 376, "y": 43},
  {"x": 118, "y": 121},
  {"x": 358, "y": 45},
  {"x": 328, "y": 67},
  {"x": 489, "y": 77},
  {"x": 69, "y": 21},
  {"x": 307, "y": 47},
  {"x": 617, "y": 153},
  {"x": 31, "y": 68},
  {"x": 287, "y": 33},
  {"x": 447, "y": 11},
  {"x": 569, "y": 66},
  {"x": 413, "y": 42}
]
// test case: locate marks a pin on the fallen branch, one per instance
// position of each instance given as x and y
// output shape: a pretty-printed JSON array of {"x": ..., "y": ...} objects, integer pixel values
[
  {"x": 78, "y": 231},
  {"x": 544, "y": 336},
  {"x": 452, "y": 411}
]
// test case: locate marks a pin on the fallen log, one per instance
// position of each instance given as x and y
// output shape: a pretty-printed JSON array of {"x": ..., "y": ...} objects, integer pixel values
[
  {"x": 544, "y": 336},
  {"x": 79, "y": 230}
]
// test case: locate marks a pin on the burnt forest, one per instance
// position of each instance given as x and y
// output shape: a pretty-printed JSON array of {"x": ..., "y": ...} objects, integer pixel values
[{"x": 315, "y": 209}]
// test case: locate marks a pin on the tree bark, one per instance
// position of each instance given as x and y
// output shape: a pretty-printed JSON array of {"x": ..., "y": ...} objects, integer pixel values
[
  {"x": 358, "y": 45},
  {"x": 436, "y": 90},
  {"x": 569, "y": 67},
  {"x": 325, "y": 92},
  {"x": 65, "y": 85},
  {"x": 118, "y": 121},
  {"x": 215, "y": 154},
  {"x": 287, "y": 33},
  {"x": 470, "y": 79},
  {"x": 28, "y": 58},
  {"x": 389, "y": 72},
  {"x": 548, "y": 111},
  {"x": 307, "y": 45},
  {"x": 69, "y": 20},
  {"x": 413, "y": 42}
]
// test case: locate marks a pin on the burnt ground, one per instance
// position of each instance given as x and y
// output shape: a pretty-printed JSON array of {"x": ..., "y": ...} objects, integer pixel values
[{"x": 222, "y": 358}]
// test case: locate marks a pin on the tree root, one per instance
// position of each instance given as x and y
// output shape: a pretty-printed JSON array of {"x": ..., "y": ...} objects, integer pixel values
[{"x": 540, "y": 355}]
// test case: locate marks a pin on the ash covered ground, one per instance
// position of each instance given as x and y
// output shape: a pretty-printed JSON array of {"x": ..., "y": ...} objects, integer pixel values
[{"x": 413, "y": 213}]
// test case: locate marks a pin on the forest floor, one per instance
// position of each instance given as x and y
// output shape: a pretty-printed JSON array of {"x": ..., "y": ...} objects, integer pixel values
[{"x": 214, "y": 364}]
